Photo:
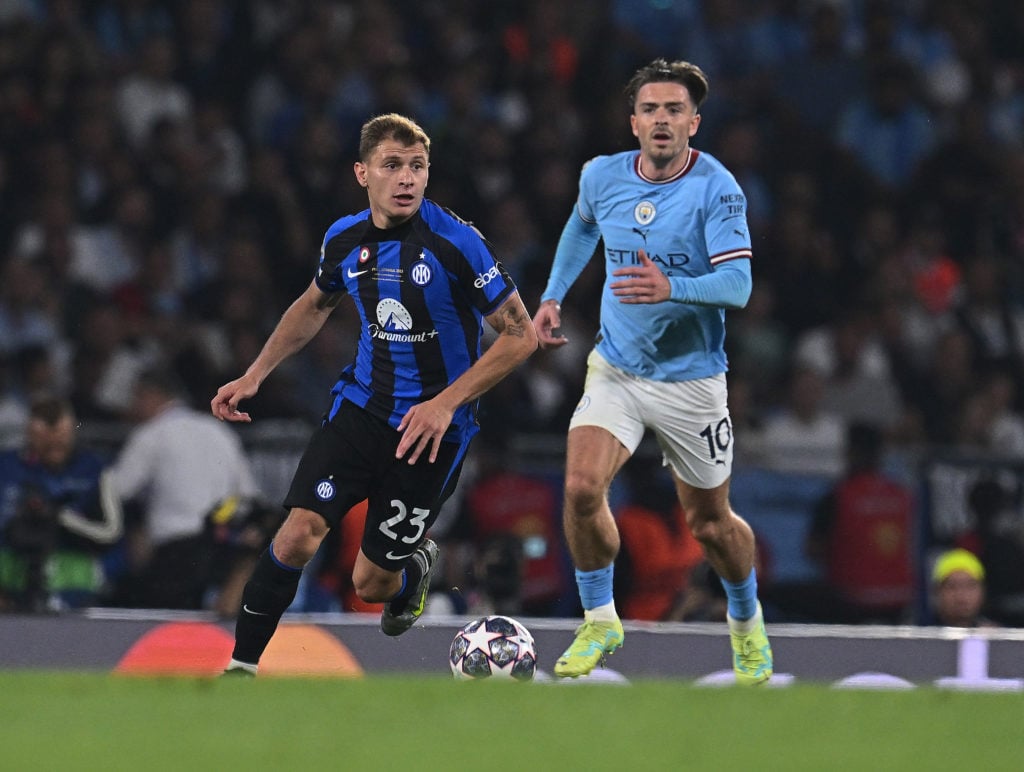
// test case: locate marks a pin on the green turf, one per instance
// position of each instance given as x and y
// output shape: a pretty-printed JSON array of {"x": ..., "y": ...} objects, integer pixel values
[{"x": 67, "y": 721}]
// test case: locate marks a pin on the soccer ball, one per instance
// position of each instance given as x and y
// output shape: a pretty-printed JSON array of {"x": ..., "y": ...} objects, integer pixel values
[{"x": 493, "y": 646}]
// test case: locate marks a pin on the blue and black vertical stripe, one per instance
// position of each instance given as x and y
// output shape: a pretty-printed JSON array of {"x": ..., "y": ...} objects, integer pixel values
[{"x": 433, "y": 279}]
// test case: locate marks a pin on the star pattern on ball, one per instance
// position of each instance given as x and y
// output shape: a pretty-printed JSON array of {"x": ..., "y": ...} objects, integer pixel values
[{"x": 481, "y": 639}]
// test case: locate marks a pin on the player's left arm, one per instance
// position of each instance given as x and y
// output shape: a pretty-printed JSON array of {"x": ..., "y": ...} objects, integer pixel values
[
  {"x": 728, "y": 286},
  {"x": 727, "y": 239},
  {"x": 426, "y": 423}
]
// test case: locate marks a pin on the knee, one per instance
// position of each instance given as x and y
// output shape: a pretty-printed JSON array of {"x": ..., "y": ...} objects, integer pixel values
[
  {"x": 375, "y": 586},
  {"x": 708, "y": 526},
  {"x": 584, "y": 494},
  {"x": 298, "y": 538}
]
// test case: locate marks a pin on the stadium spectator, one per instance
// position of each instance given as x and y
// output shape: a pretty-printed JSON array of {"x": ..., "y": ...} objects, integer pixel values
[
  {"x": 59, "y": 515},
  {"x": 105, "y": 362},
  {"x": 887, "y": 129},
  {"x": 802, "y": 436},
  {"x": 409, "y": 398},
  {"x": 150, "y": 93},
  {"x": 759, "y": 345},
  {"x": 943, "y": 387},
  {"x": 958, "y": 590},
  {"x": 857, "y": 380},
  {"x": 996, "y": 536},
  {"x": 988, "y": 422},
  {"x": 175, "y": 466},
  {"x": 987, "y": 312},
  {"x": 818, "y": 80},
  {"x": 657, "y": 552},
  {"x": 111, "y": 254},
  {"x": 499, "y": 501},
  {"x": 862, "y": 535},
  {"x": 807, "y": 267}
]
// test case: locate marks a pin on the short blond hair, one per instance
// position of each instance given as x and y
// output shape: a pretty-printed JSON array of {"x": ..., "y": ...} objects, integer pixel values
[{"x": 390, "y": 126}]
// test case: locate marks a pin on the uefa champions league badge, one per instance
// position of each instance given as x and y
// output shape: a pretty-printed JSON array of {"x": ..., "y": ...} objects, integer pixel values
[
  {"x": 325, "y": 490},
  {"x": 644, "y": 212}
]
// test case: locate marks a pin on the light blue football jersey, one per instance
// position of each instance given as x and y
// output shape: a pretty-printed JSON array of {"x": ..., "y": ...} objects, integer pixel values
[{"x": 687, "y": 225}]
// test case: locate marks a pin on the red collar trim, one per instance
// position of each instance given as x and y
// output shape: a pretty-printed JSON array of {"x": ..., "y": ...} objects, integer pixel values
[{"x": 690, "y": 162}]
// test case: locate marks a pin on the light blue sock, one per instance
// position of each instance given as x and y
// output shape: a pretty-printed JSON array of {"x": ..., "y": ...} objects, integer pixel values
[
  {"x": 595, "y": 586},
  {"x": 742, "y": 597}
]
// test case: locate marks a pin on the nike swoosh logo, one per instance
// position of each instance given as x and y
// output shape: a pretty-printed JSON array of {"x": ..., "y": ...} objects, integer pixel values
[
  {"x": 353, "y": 274},
  {"x": 248, "y": 610},
  {"x": 391, "y": 556}
]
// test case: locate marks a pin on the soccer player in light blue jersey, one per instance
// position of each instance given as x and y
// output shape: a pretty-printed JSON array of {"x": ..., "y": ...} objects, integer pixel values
[{"x": 677, "y": 254}]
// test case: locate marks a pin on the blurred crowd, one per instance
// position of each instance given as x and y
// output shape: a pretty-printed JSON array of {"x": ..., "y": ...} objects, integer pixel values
[{"x": 167, "y": 172}]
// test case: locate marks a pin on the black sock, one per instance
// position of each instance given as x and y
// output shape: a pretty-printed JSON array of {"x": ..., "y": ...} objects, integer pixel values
[
  {"x": 413, "y": 575},
  {"x": 268, "y": 593}
]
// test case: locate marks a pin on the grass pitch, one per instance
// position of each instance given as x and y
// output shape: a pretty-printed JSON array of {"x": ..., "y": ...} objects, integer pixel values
[{"x": 91, "y": 721}]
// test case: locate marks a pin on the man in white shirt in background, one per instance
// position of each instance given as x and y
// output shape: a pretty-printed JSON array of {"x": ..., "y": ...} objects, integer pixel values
[{"x": 176, "y": 465}]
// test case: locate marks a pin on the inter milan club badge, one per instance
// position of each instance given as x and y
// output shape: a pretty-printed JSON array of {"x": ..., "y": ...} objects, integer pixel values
[{"x": 421, "y": 273}]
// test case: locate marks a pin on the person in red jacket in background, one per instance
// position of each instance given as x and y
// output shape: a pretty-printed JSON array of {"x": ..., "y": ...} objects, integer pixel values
[
  {"x": 862, "y": 535},
  {"x": 657, "y": 551},
  {"x": 504, "y": 500},
  {"x": 335, "y": 576}
]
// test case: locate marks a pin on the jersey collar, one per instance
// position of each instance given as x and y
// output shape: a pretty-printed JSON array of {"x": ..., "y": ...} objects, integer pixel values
[{"x": 690, "y": 161}]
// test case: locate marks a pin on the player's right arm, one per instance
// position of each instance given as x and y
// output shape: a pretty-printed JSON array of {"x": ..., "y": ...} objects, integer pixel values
[
  {"x": 575, "y": 248},
  {"x": 297, "y": 326}
]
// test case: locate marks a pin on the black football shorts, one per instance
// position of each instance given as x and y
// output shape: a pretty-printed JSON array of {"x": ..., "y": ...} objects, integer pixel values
[{"x": 352, "y": 458}]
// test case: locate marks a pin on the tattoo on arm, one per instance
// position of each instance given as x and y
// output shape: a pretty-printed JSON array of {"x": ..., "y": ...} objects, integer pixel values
[{"x": 512, "y": 321}]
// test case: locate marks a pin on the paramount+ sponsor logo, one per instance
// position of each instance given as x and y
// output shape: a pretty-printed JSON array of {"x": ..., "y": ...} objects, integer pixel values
[{"x": 395, "y": 324}]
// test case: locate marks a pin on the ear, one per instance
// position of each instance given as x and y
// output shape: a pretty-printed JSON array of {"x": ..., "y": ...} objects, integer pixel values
[
  {"x": 632, "y": 125},
  {"x": 694, "y": 124},
  {"x": 360, "y": 171}
]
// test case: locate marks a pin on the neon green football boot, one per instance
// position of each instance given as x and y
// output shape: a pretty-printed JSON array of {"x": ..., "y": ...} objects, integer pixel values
[
  {"x": 751, "y": 651},
  {"x": 593, "y": 641}
]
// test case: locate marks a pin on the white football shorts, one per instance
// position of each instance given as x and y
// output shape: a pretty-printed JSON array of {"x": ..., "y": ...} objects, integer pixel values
[{"x": 690, "y": 419}]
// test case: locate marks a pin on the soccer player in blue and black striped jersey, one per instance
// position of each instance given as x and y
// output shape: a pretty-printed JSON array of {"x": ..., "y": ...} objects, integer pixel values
[
  {"x": 403, "y": 412},
  {"x": 677, "y": 254}
]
